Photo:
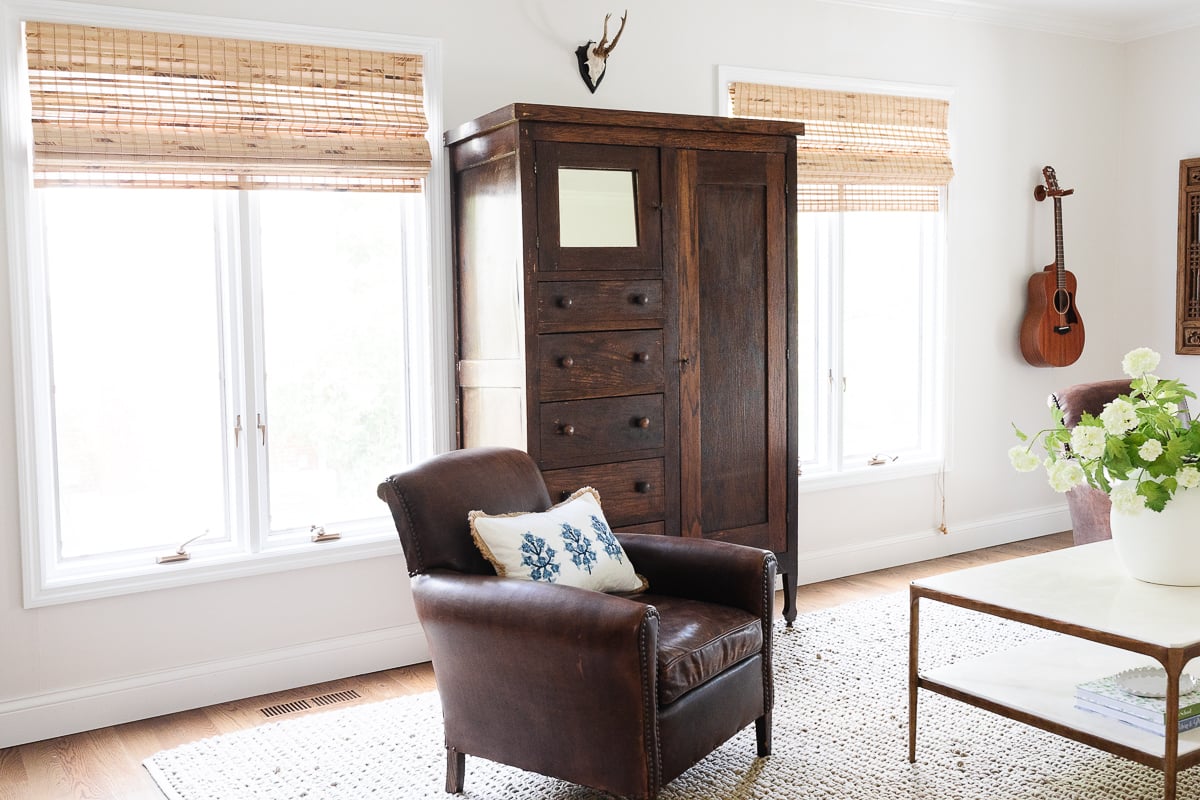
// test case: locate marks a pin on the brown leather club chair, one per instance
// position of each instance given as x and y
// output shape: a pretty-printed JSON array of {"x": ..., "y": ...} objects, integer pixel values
[
  {"x": 1089, "y": 507},
  {"x": 617, "y": 692}
]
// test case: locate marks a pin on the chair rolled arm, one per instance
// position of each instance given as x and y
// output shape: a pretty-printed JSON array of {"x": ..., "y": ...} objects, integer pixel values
[
  {"x": 539, "y": 615},
  {"x": 703, "y": 569},
  {"x": 503, "y": 646}
]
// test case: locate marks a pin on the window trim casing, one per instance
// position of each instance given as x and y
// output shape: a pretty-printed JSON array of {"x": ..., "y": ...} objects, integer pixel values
[
  {"x": 939, "y": 416},
  {"x": 34, "y": 434}
]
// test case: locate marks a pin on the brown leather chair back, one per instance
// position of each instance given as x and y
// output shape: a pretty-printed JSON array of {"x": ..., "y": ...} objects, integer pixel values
[
  {"x": 1088, "y": 398},
  {"x": 430, "y": 502}
]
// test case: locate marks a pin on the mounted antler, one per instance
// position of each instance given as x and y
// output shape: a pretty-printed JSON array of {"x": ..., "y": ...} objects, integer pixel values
[
  {"x": 593, "y": 56},
  {"x": 601, "y": 50}
]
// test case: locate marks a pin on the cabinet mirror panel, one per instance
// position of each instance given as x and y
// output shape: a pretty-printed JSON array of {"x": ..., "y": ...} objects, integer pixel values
[{"x": 597, "y": 207}]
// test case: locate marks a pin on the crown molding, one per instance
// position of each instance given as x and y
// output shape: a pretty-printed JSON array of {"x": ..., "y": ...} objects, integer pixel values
[{"x": 1089, "y": 26}]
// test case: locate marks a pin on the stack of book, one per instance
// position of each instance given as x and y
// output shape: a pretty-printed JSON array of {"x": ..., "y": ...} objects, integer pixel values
[{"x": 1105, "y": 696}]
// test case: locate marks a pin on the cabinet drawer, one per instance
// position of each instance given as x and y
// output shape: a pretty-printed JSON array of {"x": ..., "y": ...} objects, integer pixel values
[
  {"x": 581, "y": 365},
  {"x": 582, "y": 303},
  {"x": 576, "y": 430},
  {"x": 630, "y": 491}
]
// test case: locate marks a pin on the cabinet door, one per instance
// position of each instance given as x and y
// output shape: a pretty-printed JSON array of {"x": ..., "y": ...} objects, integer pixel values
[
  {"x": 598, "y": 207},
  {"x": 734, "y": 288}
]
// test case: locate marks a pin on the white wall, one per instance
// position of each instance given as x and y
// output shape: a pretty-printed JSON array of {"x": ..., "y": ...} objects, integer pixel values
[
  {"x": 1161, "y": 126},
  {"x": 1021, "y": 100}
]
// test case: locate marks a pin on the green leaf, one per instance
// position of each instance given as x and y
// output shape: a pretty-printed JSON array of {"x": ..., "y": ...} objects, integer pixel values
[
  {"x": 1155, "y": 493},
  {"x": 1020, "y": 434}
]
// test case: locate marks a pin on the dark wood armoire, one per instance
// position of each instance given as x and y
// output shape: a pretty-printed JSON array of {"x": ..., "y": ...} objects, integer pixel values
[{"x": 626, "y": 298}]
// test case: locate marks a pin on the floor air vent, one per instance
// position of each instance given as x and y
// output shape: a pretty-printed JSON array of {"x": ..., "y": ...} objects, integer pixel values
[
  {"x": 335, "y": 697},
  {"x": 293, "y": 706}
]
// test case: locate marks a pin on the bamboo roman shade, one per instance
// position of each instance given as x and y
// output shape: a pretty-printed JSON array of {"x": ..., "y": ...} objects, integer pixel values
[
  {"x": 859, "y": 152},
  {"x": 134, "y": 108}
]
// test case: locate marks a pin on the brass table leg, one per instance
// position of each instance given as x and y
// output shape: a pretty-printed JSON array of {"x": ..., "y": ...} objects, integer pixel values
[{"x": 913, "y": 600}]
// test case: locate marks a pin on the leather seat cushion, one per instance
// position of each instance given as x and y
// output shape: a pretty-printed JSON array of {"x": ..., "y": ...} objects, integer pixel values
[{"x": 697, "y": 641}]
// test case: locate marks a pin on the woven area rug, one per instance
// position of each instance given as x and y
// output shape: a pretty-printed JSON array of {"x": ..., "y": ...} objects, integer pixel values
[{"x": 840, "y": 731}]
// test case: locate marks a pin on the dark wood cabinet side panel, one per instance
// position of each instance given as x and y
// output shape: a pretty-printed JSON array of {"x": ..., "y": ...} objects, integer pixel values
[
  {"x": 490, "y": 270},
  {"x": 497, "y": 144}
]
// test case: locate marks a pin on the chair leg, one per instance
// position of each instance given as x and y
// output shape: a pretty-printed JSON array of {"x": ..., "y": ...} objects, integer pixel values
[
  {"x": 762, "y": 730},
  {"x": 456, "y": 768}
]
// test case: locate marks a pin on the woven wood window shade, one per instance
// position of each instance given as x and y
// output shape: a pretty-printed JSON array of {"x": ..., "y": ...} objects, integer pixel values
[
  {"x": 859, "y": 152},
  {"x": 133, "y": 108}
]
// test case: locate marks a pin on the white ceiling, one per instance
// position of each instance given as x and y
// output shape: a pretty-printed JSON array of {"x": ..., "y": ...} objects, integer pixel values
[{"x": 1111, "y": 20}]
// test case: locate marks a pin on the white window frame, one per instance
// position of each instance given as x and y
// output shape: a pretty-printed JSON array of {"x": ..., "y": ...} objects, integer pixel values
[
  {"x": 936, "y": 336},
  {"x": 429, "y": 316}
]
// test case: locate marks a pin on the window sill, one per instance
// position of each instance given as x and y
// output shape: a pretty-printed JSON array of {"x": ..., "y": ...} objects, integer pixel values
[
  {"x": 206, "y": 569},
  {"x": 866, "y": 475}
]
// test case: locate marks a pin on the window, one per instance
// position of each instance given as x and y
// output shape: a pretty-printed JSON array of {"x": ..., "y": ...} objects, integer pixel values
[
  {"x": 869, "y": 392},
  {"x": 234, "y": 367},
  {"x": 872, "y": 173}
]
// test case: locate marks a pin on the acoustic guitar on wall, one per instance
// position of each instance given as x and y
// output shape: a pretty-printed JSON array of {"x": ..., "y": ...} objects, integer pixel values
[{"x": 1052, "y": 330}]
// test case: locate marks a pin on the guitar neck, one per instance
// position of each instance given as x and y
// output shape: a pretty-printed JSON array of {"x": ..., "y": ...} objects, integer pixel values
[{"x": 1060, "y": 270}]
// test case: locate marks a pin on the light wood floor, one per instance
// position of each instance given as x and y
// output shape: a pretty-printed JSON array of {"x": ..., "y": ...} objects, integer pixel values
[{"x": 105, "y": 764}]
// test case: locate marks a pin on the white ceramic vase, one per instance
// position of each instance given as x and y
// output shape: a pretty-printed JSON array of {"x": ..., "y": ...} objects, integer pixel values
[{"x": 1162, "y": 547}]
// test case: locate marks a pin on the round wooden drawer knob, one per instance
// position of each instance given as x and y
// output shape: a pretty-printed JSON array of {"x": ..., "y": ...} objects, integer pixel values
[
  {"x": 642, "y": 487},
  {"x": 566, "y": 362},
  {"x": 567, "y": 430},
  {"x": 564, "y": 494},
  {"x": 565, "y": 302},
  {"x": 640, "y": 299},
  {"x": 643, "y": 423},
  {"x": 641, "y": 358}
]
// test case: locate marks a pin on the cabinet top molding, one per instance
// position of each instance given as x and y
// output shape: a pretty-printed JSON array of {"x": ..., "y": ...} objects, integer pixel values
[{"x": 531, "y": 112}]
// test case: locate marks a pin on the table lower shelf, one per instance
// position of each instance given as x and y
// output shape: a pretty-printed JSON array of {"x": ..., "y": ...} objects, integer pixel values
[{"x": 1039, "y": 679}]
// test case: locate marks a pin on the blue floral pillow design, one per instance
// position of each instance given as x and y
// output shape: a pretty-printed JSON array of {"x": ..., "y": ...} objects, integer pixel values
[{"x": 570, "y": 543}]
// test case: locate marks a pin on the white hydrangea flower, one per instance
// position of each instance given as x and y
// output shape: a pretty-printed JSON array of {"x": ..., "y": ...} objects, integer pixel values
[
  {"x": 1087, "y": 441},
  {"x": 1139, "y": 362},
  {"x": 1025, "y": 461},
  {"x": 1126, "y": 500},
  {"x": 1151, "y": 450},
  {"x": 1188, "y": 477},
  {"x": 1171, "y": 408},
  {"x": 1119, "y": 417},
  {"x": 1065, "y": 475}
]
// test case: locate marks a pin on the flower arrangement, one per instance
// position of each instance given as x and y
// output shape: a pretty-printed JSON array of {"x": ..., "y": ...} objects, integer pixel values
[{"x": 1139, "y": 451}]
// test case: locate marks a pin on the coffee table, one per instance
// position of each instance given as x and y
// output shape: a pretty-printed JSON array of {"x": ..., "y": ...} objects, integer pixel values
[{"x": 1112, "y": 622}]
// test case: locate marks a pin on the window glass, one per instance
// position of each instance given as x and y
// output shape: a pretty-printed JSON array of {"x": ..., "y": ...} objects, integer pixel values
[
  {"x": 135, "y": 330},
  {"x": 334, "y": 337},
  {"x": 881, "y": 332},
  {"x": 868, "y": 324}
]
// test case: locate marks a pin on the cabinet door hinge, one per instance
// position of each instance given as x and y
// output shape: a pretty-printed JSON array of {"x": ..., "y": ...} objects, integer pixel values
[{"x": 537, "y": 242}]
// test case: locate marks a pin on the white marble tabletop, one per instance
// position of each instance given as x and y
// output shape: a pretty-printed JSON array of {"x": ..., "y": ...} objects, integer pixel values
[{"x": 1083, "y": 585}]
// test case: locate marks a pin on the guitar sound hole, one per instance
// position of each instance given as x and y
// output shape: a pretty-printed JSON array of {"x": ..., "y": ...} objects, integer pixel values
[{"x": 1062, "y": 301}]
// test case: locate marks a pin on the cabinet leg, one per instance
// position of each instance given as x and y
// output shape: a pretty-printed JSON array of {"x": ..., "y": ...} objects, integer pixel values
[{"x": 789, "y": 597}]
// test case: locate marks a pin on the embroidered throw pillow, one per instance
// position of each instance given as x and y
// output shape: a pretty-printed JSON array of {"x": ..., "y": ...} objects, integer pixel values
[{"x": 569, "y": 543}]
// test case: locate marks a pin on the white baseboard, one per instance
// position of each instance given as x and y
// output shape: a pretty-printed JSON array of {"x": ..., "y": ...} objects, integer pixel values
[
  {"x": 838, "y": 562},
  {"x": 31, "y": 719}
]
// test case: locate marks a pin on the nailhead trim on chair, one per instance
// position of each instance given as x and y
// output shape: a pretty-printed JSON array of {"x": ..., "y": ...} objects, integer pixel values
[
  {"x": 650, "y": 704},
  {"x": 768, "y": 614},
  {"x": 416, "y": 540}
]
